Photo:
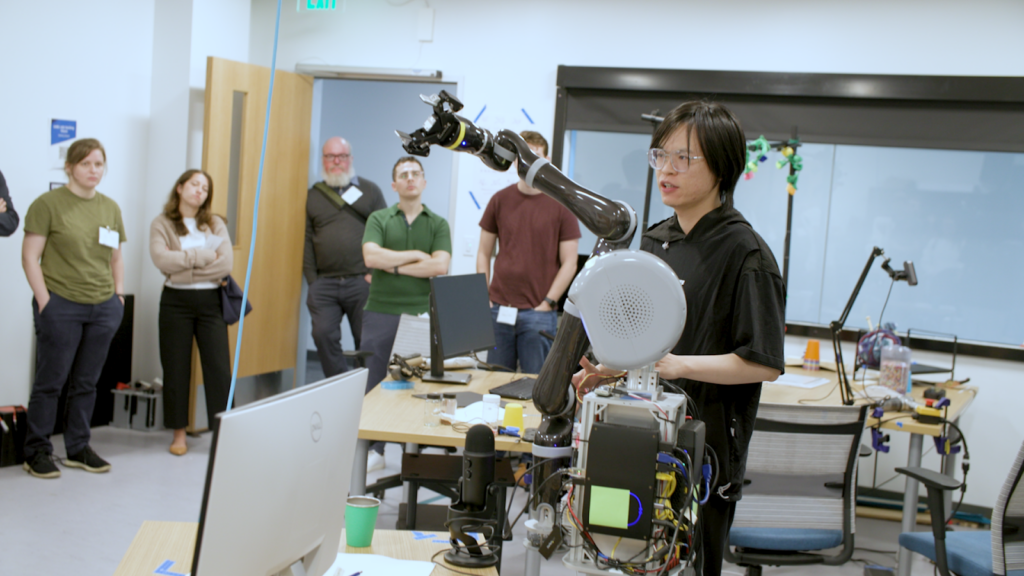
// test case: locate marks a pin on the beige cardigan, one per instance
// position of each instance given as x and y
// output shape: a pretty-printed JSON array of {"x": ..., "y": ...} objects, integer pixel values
[{"x": 193, "y": 265}]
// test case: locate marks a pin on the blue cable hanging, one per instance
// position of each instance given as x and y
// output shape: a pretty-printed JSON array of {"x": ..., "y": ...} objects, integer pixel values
[{"x": 255, "y": 213}]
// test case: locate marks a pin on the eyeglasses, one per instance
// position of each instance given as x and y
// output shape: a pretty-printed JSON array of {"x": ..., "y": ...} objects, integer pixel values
[
  {"x": 680, "y": 159},
  {"x": 410, "y": 175},
  {"x": 336, "y": 157}
]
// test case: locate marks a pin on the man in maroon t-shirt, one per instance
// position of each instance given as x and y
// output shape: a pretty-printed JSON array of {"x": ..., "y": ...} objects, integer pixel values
[{"x": 536, "y": 261}]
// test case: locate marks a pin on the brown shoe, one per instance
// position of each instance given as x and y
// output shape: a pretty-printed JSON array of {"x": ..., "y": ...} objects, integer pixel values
[{"x": 178, "y": 450}]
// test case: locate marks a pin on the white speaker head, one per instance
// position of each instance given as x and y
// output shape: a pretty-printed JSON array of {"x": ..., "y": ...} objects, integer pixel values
[{"x": 632, "y": 305}]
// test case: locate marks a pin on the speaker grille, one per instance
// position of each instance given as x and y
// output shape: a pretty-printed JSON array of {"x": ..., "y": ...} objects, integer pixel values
[{"x": 626, "y": 311}]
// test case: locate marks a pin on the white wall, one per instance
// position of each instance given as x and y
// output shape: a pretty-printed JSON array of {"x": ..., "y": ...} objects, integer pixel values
[
  {"x": 508, "y": 53},
  {"x": 83, "y": 61},
  {"x": 188, "y": 33},
  {"x": 95, "y": 63}
]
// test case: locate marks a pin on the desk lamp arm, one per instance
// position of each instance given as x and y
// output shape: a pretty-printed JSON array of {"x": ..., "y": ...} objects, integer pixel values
[{"x": 846, "y": 392}]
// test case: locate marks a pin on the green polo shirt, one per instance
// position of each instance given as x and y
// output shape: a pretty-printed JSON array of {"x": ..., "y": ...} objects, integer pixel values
[
  {"x": 391, "y": 294},
  {"x": 75, "y": 265}
]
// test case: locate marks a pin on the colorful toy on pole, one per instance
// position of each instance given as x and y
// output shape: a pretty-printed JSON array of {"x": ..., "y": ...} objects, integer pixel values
[
  {"x": 796, "y": 164},
  {"x": 757, "y": 151}
]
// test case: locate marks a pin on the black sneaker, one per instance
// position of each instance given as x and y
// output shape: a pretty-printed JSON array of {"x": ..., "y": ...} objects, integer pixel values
[
  {"x": 87, "y": 460},
  {"x": 41, "y": 465}
]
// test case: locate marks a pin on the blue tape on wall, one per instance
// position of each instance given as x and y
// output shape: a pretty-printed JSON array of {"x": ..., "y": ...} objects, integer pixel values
[
  {"x": 474, "y": 199},
  {"x": 480, "y": 114},
  {"x": 527, "y": 115}
]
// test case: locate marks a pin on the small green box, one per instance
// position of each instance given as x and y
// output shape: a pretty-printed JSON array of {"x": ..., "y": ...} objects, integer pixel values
[{"x": 609, "y": 507}]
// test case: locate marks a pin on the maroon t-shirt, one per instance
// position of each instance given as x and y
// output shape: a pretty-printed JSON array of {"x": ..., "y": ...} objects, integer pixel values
[{"x": 529, "y": 229}]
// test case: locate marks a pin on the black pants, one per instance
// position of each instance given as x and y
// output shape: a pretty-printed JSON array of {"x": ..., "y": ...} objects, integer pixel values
[
  {"x": 379, "y": 330},
  {"x": 72, "y": 341},
  {"x": 185, "y": 314},
  {"x": 329, "y": 300},
  {"x": 715, "y": 522}
]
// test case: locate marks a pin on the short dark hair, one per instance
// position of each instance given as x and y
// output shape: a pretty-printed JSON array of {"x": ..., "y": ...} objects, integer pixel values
[
  {"x": 394, "y": 173},
  {"x": 720, "y": 136},
  {"x": 536, "y": 139}
]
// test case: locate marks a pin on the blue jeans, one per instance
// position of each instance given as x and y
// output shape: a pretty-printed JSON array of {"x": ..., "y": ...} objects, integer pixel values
[{"x": 522, "y": 344}]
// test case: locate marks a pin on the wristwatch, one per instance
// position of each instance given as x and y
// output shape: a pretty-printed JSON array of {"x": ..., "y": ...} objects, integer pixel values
[{"x": 552, "y": 303}]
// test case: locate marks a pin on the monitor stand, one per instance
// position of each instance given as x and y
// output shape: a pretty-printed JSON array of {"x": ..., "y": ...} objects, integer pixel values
[
  {"x": 447, "y": 377},
  {"x": 296, "y": 569}
]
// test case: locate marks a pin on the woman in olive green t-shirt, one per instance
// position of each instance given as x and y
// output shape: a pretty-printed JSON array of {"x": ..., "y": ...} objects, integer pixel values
[{"x": 72, "y": 259}]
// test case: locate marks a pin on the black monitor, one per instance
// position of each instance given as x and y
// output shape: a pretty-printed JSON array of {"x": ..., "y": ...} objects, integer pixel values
[{"x": 460, "y": 323}]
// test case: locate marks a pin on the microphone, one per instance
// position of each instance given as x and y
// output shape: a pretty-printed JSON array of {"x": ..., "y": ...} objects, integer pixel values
[
  {"x": 477, "y": 467},
  {"x": 471, "y": 513}
]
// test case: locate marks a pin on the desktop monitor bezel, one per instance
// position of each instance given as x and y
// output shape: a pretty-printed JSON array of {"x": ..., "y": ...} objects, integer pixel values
[
  {"x": 346, "y": 394},
  {"x": 438, "y": 353}
]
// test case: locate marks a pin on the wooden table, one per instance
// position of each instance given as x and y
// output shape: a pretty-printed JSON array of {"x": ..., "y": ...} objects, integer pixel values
[
  {"x": 158, "y": 543},
  {"x": 395, "y": 416},
  {"x": 405, "y": 546},
  {"x": 960, "y": 399}
]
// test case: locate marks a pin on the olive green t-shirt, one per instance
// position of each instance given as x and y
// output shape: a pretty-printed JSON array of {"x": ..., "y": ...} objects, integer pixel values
[
  {"x": 75, "y": 265},
  {"x": 387, "y": 228}
]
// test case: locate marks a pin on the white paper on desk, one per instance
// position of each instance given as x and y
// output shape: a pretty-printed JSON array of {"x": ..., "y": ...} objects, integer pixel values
[
  {"x": 374, "y": 565},
  {"x": 799, "y": 381},
  {"x": 412, "y": 337},
  {"x": 474, "y": 414}
]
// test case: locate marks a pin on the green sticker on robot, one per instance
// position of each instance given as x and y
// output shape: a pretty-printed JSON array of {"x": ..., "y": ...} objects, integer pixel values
[{"x": 609, "y": 507}]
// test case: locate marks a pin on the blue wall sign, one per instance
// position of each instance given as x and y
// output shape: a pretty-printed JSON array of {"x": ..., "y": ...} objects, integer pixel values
[{"x": 62, "y": 131}]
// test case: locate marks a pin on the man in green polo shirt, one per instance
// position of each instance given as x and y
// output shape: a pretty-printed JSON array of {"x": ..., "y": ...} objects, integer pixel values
[{"x": 405, "y": 245}]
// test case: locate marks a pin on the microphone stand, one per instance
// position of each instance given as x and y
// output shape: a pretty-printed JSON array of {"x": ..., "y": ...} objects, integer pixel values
[{"x": 845, "y": 390}]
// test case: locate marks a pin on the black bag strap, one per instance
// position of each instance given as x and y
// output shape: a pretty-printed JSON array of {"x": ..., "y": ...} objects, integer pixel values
[{"x": 337, "y": 200}]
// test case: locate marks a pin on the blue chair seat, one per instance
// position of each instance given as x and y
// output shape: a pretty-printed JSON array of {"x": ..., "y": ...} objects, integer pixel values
[
  {"x": 968, "y": 553},
  {"x": 785, "y": 539}
]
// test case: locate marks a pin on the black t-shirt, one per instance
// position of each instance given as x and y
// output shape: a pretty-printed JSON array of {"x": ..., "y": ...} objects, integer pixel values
[{"x": 735, "y": 303}]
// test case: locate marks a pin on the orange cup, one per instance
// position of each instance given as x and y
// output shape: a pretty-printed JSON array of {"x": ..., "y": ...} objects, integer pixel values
[{"x": 812, "y": 357}]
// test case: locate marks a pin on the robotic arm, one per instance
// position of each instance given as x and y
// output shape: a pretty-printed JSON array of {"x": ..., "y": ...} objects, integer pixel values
[{"x": 613, "y": 222}]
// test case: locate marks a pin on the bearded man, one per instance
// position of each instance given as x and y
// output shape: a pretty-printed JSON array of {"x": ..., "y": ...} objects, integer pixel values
[{"x": 339, "y": 282}]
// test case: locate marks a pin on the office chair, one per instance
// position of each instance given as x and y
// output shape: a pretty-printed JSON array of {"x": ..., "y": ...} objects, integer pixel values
[
  {"x": 976, "y": 552},
  {"x": 800, "y": 488}
]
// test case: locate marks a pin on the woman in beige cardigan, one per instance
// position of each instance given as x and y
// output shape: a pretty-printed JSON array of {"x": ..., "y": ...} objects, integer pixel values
[{"x": 191, "y": 247}]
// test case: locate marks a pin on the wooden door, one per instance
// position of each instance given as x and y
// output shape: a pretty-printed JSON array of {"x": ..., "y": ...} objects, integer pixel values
[{"x": 236, "y": 106}]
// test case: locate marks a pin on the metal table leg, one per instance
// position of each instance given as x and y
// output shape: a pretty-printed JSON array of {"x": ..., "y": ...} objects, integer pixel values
[
  {"x": 949, "y": 469},
  {"x": 357, "y": 485},
  {"x": 906, "y": 557},
  {"x": 410, "y": 448}
]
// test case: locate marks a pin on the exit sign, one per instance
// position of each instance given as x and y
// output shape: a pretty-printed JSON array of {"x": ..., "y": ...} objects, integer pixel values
[{"x": 312, "y": 5}]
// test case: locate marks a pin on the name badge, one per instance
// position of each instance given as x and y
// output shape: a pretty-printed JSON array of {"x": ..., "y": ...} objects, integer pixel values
[
  {"x": 109, "y": 238},
  {"x": 352, "y": 194},
  {"x": 507, "y": 315}
]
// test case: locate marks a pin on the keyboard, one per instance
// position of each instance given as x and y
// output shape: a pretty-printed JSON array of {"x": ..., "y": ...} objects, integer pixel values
[{"x": 521, "y": 389}]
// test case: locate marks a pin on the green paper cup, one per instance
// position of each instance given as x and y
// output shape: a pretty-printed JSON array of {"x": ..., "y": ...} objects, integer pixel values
[{"x": 360, "y": 518}]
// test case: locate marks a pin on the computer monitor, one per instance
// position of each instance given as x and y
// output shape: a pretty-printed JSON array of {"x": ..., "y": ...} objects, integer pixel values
[
  {"x": 277, "y": 481},
  {"x": 460, "y": 323}
]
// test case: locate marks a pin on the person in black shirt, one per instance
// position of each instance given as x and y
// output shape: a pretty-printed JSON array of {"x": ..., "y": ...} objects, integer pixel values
[
  {"x": 735, "y": 297},
  {"x": 8, "y": 217},
  {"x": 332, "y": 262}
]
